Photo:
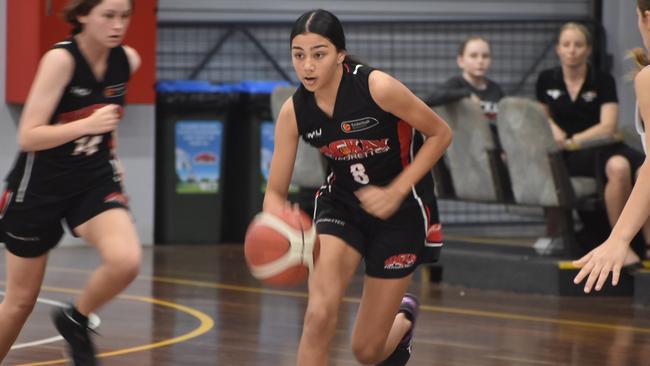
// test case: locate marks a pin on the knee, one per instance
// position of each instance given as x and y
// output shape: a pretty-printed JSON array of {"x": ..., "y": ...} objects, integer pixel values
[
  {"x": 126, "y": 263},
  {"x": 367, "y": 352},
  {"x": 18, "y": 307},
  {"x": 130, "y": 266},
  {"x": 320, "y": 318},
  {"x": 617, "y": 169}
]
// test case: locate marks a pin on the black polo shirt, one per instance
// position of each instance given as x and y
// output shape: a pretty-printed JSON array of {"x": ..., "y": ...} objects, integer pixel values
[{"x": 575, "y": 116}]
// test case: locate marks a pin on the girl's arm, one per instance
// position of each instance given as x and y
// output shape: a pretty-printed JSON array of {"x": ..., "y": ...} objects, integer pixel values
[
  {"x": 133, "y": 57},
  {"x": 34, "y": 132},
  {"x": 606, "y": 127},
  {"x": 284, "y": 157},
  {"x": 610, "y": 255},
  {"x": 395, "y": 98},
  {"x": 448, "y": 92},
  {"x": 558, "y": 133}
]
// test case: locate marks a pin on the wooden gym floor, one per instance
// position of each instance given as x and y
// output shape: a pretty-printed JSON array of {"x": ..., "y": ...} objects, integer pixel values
[{"x": 197, "y": 305}]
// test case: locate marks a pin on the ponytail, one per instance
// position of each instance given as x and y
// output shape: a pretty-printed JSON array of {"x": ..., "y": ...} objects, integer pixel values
[{"x": 640, "y": 60}]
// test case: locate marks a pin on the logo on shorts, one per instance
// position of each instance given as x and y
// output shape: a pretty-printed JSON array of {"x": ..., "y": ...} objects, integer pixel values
[
  {"x": 400, "y": 261},
  {"x": 116, "y": 197},
  {"x": 22, "y": 238},
  {"x": 4, "y": 202},
  {"x": 331, "y": 221},
  {"x": 360, "y": 124}
]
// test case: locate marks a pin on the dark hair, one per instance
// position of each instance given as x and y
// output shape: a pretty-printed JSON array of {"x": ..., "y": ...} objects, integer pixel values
[
  {"x": 580, "y": 28},
  {"x": 76, "y": 8},
  {"x": 463, "y": 45},
  {"x": 643, "y": 5},
  {"x": 326, "y": 24}
]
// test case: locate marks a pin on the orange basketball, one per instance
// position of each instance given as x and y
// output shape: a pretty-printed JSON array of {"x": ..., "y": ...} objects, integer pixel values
[{"x": 281, "y": 250}]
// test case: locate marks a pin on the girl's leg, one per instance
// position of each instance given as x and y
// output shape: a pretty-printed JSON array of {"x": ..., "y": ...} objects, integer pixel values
[
  {"x": 113, "y": 234},
  {"x": 379, "y": 327},
  {"x": 617, "y": 191},
  {"x": 337, "y": 263},
  {"x": 645, "y": 230},
  {"x": 24, "y": 279}
]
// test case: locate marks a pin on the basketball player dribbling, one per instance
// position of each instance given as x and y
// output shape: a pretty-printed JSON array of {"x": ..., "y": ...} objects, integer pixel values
[
  {"x": 377, "y": 200},
  {"x": 67, "y": 169}
]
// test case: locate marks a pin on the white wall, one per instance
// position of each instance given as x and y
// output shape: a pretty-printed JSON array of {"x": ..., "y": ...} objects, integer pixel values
[
  {"x": 621, "y": 25},
  {"x": 136, "y": 150}
]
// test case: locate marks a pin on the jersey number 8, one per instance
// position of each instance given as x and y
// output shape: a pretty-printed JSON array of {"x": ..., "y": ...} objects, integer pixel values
[{"x": 359, "y": 173}]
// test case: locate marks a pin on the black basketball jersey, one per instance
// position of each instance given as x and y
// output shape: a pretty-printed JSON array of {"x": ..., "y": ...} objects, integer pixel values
[
  {"x": 363, "y": 143},
  {"x": 81, "y": 164}
]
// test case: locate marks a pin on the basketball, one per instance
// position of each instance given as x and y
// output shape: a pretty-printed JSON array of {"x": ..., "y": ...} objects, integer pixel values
[{"x": 281, "y": 250}]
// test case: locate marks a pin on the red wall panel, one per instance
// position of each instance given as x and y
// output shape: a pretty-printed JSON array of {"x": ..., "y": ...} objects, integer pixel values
[{"x": 33, "y": 26}]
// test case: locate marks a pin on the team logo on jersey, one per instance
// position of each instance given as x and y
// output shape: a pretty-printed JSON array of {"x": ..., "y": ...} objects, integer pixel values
[
  {"x": 354, "y": 149},
  {"x": 315, "y": 133},
  {"x": 79, "y": 91},
  {"x": 554, "y": 93},
  {"x": 589, "y": 96},
  {"x": 490, "y": 110},
  {"x": 400, "y": 261},
  {"x": 360, "y": 124},
  {"x": 114, "y": 91}
]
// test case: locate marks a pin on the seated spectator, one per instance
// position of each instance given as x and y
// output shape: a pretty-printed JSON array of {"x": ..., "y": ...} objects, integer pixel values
[
  {"x": 474, "y": 60},
  {"x": 582, "y": 104}
]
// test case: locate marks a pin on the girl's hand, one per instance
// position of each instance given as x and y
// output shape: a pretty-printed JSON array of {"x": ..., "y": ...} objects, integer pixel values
[
  {"x": 607, "y": 257},
  {"x": 104, "y": 119},
  {"x": 559, "y": 136},
  {"x": 381, "y": 202}
]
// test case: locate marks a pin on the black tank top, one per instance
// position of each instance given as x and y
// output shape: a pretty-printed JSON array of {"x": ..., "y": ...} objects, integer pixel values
[
  {"x": 84, "y": 163},
  {"x": 363, "y": 143}
]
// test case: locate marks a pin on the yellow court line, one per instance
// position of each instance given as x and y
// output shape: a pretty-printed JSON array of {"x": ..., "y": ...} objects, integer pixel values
[
  {"x": 520, "y": 360},
  {"x": 206, "y": 323},
  {"x": 489, "y": 240},
  {"x": 452, "y": 344},
  {"x": 436, "y": 309},
  {"x": 569, "y": 265}
]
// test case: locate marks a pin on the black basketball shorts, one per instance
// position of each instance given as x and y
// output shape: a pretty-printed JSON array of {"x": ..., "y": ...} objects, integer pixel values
[
  {"x": 32, "y": 227},
  {"x": 391, "y": 248}
]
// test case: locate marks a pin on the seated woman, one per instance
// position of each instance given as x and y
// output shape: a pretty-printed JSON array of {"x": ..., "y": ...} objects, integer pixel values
[
  {"x": 474, "y": 58},
  {"x": 582, "y": 104}
]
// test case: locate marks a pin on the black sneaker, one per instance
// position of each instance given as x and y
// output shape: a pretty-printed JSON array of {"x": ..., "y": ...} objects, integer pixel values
[
  {"x": 410, "y": 306},
  {"x": 80, "y": 345}
]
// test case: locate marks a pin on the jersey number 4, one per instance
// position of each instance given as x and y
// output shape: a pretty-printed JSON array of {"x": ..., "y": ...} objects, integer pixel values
[
  {"x": 359, "y": 173},
  {"x": 87, "y": 145}
]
